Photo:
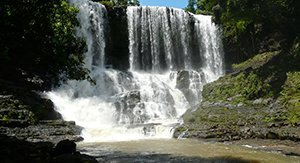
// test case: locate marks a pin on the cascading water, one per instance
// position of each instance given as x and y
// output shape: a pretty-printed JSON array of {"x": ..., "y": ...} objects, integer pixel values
[{"x": 172, "y": 55}]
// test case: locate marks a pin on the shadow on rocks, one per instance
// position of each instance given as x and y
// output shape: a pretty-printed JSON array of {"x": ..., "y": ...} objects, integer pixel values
[
  {"x": 65, "y": 151},
  {"x": 13, "y": 150}
]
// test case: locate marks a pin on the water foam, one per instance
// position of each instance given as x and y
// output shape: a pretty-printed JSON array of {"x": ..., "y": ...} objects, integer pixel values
[{"x": 172, "y": 55}]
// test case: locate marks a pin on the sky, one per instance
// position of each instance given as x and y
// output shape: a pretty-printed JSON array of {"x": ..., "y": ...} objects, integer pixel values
[{"x": 168, "y": 3}]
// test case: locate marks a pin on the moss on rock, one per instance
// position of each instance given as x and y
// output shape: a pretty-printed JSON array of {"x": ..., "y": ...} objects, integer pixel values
[
  {"x": 260, "y": 99},
  {"x": 237, "y": 89},
  {"x": 255, "y": 62}
]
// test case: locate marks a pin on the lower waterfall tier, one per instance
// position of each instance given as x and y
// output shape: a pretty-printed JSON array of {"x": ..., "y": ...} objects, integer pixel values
[{"x": 128, "y": 105}]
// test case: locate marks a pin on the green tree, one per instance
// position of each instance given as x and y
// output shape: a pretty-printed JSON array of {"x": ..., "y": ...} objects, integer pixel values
[
  {"x": 252, "y": 26},
  {"x": 191, "y": 6},
  {"x": 39, "y": 36},
  {"x": 134, "y": 2},
  {"x": 112, "y": 3}
]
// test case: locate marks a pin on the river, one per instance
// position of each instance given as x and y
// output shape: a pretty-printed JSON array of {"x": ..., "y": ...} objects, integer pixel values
[{"x": 180, "y": 150}]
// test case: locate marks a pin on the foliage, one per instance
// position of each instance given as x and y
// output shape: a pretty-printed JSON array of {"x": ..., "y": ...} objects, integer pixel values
[
  {"x": 39, "y": 36},
  {"x": 107, "y": 3},
  {"x": 290, "y": 96},
  {"x": 113, "y": 3},
  {"x": 237, "y": 89},
  {"x": 15, "y": 109},
  {"x": 134, "y": 2},
  {"x": 252, "y": 27},
  {"x": 191, "y": 6}
]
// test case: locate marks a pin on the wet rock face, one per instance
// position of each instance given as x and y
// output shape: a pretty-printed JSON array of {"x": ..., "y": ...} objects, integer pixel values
[
  {"x": 189, "y": 83},
  {"x": 129, "y": 107},
  {"x": 183, "y": 80},
  {"x": 130, "y": 99}
]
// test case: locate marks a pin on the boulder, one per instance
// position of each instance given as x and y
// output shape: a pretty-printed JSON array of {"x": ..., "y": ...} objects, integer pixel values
[
  {"x": 65, "y": 151},
  {"x": 64, "y": 147}
]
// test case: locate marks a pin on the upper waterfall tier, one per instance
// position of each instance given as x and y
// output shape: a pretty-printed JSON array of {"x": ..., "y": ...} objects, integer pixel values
[
  {"x": 163, "y": 39},
  {"x": 93, "y": 29}
]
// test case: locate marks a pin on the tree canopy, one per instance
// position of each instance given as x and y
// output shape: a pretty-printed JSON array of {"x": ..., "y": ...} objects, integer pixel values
[
  {"x": 255, "y": 25},
  {"x": 191, "y": 6},
  {"x": 112, "y": 3},
  {"x": 39, "y": 36}
]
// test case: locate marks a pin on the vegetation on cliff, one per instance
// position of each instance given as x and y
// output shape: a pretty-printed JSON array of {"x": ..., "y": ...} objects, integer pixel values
[
  {"x": 260, "y": 95},
  {"x": 260, "y": 98}
]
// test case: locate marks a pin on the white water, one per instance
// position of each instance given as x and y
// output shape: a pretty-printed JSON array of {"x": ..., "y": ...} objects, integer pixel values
[{"x": 167, "y": 72}]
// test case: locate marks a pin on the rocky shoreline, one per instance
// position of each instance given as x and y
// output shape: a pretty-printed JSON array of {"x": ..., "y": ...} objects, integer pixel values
[
  {"x": 30, "y": 129},
  {"x": 45, "y": 131},
  {"x": 48, "y": 141},
  {"x": 15, "y": 150}
]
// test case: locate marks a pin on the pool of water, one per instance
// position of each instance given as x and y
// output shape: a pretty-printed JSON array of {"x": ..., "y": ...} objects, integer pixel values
[{"x": 182, "y": 150}]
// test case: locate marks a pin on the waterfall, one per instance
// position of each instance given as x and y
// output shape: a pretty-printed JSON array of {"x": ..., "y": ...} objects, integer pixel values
[
  {"x": 172, "y": 55},
  {"x": 176, "y": 43},
  {"x": 93, "y": 26}
]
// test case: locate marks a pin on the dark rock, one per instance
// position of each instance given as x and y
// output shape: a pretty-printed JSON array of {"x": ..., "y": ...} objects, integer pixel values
[
  {"x": 74, "y": 158},
  {"x": 64, "y": 147},
  {"x": 65, "y": 151},
  {"x": 118, "y": 41},
  {"x": 291, "y": 154},
  {"x": 14, "y": 150}
]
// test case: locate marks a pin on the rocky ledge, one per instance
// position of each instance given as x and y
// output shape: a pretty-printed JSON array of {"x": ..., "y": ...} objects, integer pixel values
[
  {"x": 260, "y": 99},
  {"x": 45, "y": 131},
  {"x": 221, "y": 122}
]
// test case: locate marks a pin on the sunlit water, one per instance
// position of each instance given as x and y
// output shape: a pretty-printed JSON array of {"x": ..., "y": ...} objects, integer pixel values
[
  {"x": 172, "y": 150},
  {"x": 172, "y": 55}
]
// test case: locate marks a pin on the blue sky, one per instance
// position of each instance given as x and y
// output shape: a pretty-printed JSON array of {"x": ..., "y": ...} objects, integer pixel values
[{"x": 168, "y": 3}]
